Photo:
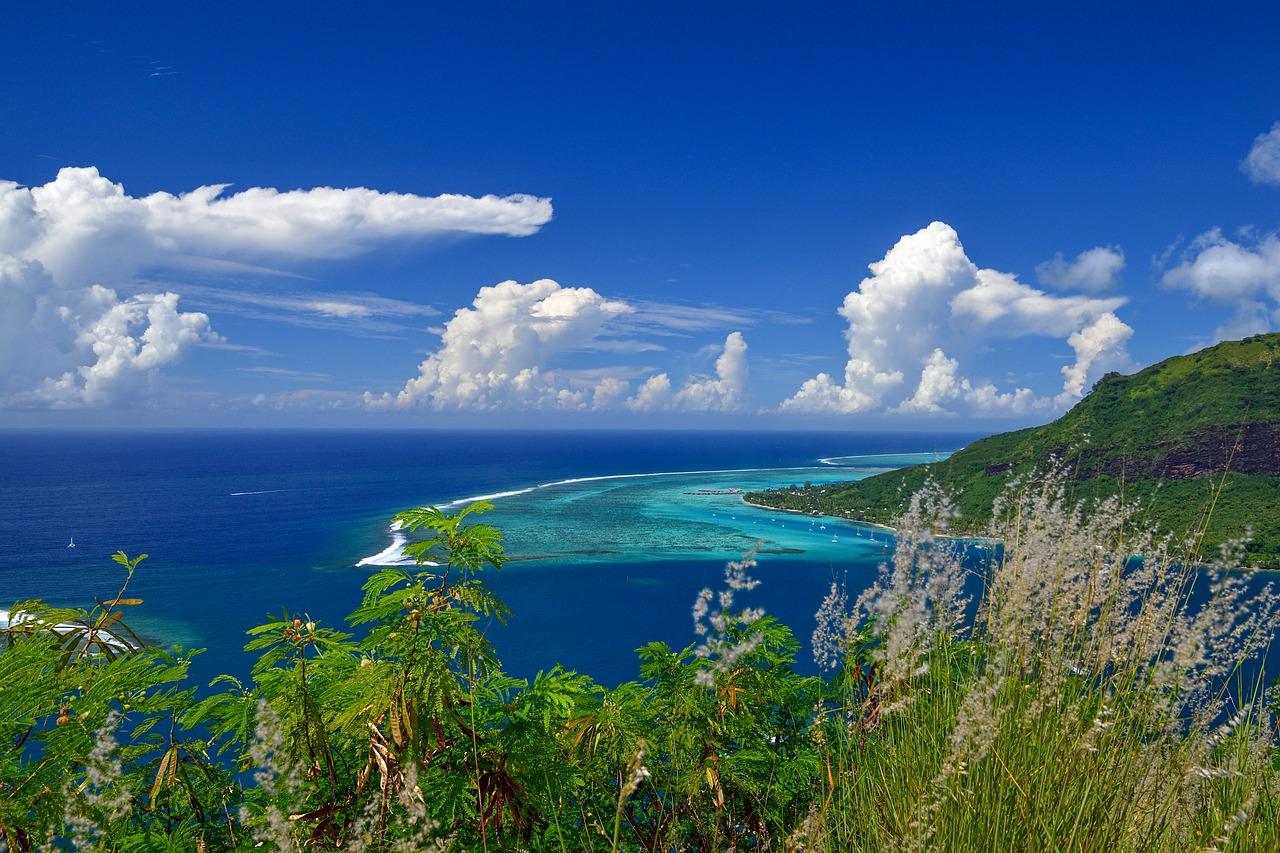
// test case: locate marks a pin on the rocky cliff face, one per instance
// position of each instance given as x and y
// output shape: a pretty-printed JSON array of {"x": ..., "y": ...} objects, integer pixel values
[{"x": 1251, "y": 448}]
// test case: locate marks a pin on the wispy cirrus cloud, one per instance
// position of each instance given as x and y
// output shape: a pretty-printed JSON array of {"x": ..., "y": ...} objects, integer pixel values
[
  {"x": 365, "y": 314},
  {"x": 301, "y": 399},
  {"x": 670, "y": 318},
  {"x": 334, "y": 308},
  {"x": 230, "y": 346},
  {"x": 287, "y": 373}
]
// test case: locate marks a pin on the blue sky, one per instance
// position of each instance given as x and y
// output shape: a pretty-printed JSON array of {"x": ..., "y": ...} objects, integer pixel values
[{"x": 683, "y": 199}]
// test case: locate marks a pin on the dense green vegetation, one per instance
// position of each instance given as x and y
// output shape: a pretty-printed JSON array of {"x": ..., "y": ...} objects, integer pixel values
[
  {"x": 1196, "y": 437},
  {"x": 1085, "y": 709}
]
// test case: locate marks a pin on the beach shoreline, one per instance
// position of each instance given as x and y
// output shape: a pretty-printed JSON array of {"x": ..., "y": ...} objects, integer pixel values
[
  {"x": 860, "y": 521},
  {"x": 965, "y": 537}
]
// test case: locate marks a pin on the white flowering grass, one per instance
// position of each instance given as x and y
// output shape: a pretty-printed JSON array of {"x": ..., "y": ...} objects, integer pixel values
[
  {"x": 101, "y": 798},
  {"x": 276, "y": 775},
  {"x": 1099, "y": 698},
  {"x": 726, "y": 633}
]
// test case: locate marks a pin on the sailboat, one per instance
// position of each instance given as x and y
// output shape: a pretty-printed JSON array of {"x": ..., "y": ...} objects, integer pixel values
[{"x": 72, "y": 543}]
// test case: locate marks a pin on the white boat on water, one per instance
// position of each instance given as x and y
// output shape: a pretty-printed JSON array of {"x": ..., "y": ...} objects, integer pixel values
[{"x": 72, "y": 543}]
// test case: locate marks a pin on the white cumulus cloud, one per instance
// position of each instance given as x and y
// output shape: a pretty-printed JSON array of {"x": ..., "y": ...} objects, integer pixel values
[
  {"x": 609, "y": 391},
  {"x": 67, "y": 347},
  {"x": 926, "y": 299},
  {"x": 506, "y": 351},
  {"x": 723, "y": 393},
  {"x": 1262, "y": 163},
  {"x": 1242, "y": 275},
  {"x": 1099, "y": 346},
  {"x": 986, "y": 399},
  {"x": 941, "y": 384},
  {"x": 654, "y": 393},
  {"x": 1093, "y": 270},
  {"x": 130, "y": 340},
  {"x": 720, "y": 393},
  {"x": 824, "y": 395},
  {"x": 499, "y": 352},
  {"x": 1005, "y": 307}
]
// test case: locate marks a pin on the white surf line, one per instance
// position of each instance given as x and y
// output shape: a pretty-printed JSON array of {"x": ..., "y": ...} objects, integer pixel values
[
  {"x": 833, "y": 460},
  {"x": 393, "y": 555},
  {"x": 493, "y": 497},
  {"x": 575, "y": 480},
  {"x": 261, "y": 492}
]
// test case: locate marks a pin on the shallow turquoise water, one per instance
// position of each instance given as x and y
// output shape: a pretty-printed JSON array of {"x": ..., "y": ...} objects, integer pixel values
[{"x": 647, "y": 517}]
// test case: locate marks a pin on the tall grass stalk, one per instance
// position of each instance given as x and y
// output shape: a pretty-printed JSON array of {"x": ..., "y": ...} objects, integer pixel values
[{"x": 1087, "y": 705}]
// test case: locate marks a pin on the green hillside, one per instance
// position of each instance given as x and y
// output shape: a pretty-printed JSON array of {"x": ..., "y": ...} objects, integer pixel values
[{"x": 1170, "y": 434}]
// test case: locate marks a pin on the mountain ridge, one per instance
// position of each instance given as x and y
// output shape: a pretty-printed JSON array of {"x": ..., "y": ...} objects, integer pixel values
[{"x": 1187, "y": 434}]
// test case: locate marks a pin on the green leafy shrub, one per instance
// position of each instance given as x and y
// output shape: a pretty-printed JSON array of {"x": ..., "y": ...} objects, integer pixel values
[{"x": 1087, "y": 700}]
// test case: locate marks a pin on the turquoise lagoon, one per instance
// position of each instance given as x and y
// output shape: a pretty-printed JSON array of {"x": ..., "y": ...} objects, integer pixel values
[{"x": 663, "y": 516}]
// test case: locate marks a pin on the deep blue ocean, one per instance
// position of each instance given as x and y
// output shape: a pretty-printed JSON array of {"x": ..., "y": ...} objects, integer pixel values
[{"x": 241, "y": 524}]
